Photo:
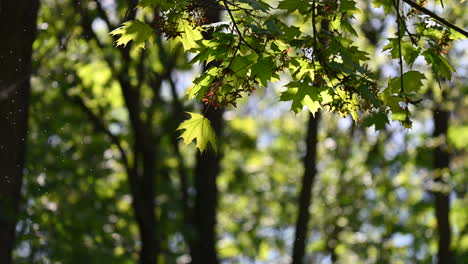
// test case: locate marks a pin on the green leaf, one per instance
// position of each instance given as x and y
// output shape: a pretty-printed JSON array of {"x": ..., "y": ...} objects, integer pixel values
[
  {"x": 409, "y": 52},
  {"x": 272, "y": 27},
  {"x": 198, "y": 128},
  {"x": 257, "y": 5},
  {"x": 348, "y": 27},
  {"x": 189, "y": 36},
  {"x": 368, "y": 95},
  {"x": 240, "y": 64},
  {"x": 400, "y": 116},
  {"x": 202, "y": 83},
  {"x": 379, "y": 120},
  {"x": 301, "y": 94},
  {"x": 135, "y": 31},
  {"x": 440, "y": 65},
  {"x": 291, "y": 5},
  {"x": 392, "y": 100},
  {"x": 412, "y": 82},
  {"x": 263, "y": 70},
  {"x": 348, "y": 6}
]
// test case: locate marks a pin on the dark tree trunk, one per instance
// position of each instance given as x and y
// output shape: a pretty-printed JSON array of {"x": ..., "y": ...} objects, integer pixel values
[
  {"x": 143, "y": 174},
  {"x": 310, "y": 170},
  {"x": 18, "y": 31},
  {"x": 441, "y": 160},
  {"x": 206, "y": 171}
]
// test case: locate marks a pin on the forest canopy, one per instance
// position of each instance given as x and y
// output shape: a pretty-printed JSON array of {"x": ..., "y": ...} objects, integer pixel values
[
  {"x": 260, "y": 43},
  {"x": 326, "y": 131}
]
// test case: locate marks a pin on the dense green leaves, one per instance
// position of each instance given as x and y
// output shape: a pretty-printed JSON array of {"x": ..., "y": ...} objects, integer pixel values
[
  {"x": 257, "y": 46},
  {"x": 372, "y": 197}
]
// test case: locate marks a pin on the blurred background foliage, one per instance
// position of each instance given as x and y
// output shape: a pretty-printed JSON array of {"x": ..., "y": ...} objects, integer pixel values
[{"x": 371, "y": 203}]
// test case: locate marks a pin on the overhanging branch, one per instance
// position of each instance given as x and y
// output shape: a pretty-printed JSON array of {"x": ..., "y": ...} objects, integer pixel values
[
  {"x": 436, "y": 17},
  {"x": 99, "y": 125}
]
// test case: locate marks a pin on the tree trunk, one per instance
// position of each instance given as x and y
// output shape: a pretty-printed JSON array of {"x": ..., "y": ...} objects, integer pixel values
[
  {"x": 206, "y": 199},
  {"x": 310, "y": 170},
  {"x": 143, "y": 174},
  {"x": 18, "y": 31},
  {"x": 441, "y": 160}
]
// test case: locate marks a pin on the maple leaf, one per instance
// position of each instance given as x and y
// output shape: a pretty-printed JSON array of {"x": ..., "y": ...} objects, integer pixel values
[
  {"x": 198, "y": 127},
  {"x": 302, "y": 94},
  {"x": 263, "y": 70},
  {"x": 135, "y": 30},
  {"x": 189, "y": 36},
  {"x": 379, "y": 120},
  {"x": 412, "y": 82}
]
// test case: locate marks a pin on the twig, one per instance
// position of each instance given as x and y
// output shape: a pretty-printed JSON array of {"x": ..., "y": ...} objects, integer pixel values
[
  {"x": 236, "y": 27},
  {"x": 103, "y": 14},
  {"x": 5, "y": 92},
  {"x": 234, "y": 55},
  {"x": 436, "y": 17},
  {"x": 99, "y": 124},
  {"x": 397, "y": 7}
]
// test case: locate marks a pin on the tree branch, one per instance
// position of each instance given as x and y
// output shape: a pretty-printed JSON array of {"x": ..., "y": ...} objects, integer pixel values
[
  {"x": 99, "y": 125},
  {"x": 236, "y": 27},
  {"x": 86, "y": 21},
  {"x": 436, "y": 17},
  {"x": 103, "y": 14},
  {"x": 178, "y": 111}
]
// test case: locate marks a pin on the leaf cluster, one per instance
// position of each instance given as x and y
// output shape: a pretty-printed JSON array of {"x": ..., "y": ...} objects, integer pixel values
[{"x": 326, "y": 68}]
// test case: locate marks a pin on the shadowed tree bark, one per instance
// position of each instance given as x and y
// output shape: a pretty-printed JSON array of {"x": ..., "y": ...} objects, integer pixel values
[
  {"x": 310, "y": 170},
  {"x": 18, "y": 31},
  {"x": 206, "y": 171},
  {"x": 441, "y": 161}
]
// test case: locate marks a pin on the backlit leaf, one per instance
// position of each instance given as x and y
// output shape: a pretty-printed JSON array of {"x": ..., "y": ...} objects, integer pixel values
[
  {"x": 302, "y": 94},
  {"x": 189, "y": 36},
  {"x": 135, "y": 31},
  {"x": 198, "y": 128}
]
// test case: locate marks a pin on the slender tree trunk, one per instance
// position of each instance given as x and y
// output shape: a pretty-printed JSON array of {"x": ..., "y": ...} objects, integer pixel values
[
  {"x": 18, "y": 31},
  {"x": 206, "y": 199},
  {"x": 143, "y": 174},
  {"x": 310, "y": 166},
  {"x": 206, "y": 170},
  {"x": 441, "y": 160}
]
